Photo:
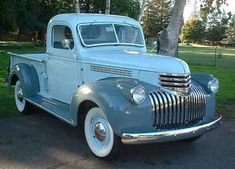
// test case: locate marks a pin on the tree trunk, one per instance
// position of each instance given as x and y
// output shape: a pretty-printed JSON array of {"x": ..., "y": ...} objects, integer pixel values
[
  {"x": 107, "y": 6},
  {"x": 141, "y": 13},
  {"x": 87, "y": 6},
  {"x": 170, "y": 36},
  {"x": 77, "y": 6}
]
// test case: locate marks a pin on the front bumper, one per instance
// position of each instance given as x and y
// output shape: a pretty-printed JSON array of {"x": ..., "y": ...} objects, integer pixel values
[{"x": 153, "y": 137}]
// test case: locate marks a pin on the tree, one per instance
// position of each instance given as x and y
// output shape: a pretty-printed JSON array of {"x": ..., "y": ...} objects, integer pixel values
[
  {"x": 209, "y": 6},
  {"x": 118, "y": 7},
  {"x": 156, "y": 17},
  {"x": 126, "y": 8},
  {"x": 77, "y": 6},
  {"x": 217, "y": 26},
  {"x": 142, "y": 6},
  {"x": 193, "y": 30},
  {"x": 230, "y": 33},
  {"x": 170, "y": 36},
  {"x": 7, "y": 16},
  {"x": 107, "y": 6}
]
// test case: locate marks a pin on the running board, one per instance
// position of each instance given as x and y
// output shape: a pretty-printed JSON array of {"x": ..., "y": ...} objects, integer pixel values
[{"x": 56, "y": 108}]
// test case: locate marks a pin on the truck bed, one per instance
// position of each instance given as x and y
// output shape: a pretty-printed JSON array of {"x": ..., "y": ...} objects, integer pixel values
[{"x": 38, "y": 61}]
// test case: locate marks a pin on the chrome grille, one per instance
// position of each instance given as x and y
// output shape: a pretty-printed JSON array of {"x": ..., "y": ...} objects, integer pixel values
[
  {"x": 111, "y": 70},
  {"x": 180, "y": 83},
  {"x": 170, "y": 111}
]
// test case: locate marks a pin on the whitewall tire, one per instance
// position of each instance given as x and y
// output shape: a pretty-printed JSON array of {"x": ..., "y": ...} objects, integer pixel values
[
  {"x": 99, "y": 134},
  {"x": 21, "y": 104}
]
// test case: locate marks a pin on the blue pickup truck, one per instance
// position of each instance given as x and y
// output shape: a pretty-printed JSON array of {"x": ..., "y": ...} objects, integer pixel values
[{"x": 96, "y": 72}]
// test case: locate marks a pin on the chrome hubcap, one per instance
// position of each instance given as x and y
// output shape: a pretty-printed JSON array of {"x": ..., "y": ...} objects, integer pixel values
[
  {"x": 100, "y": 131},
  {"x": 20, "y": 95}
]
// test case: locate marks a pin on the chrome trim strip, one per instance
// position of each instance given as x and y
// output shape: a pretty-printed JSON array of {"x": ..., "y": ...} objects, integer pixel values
[
  {"x": 174, "y": 79},
  {"x": 176, "y": 74},
  {"x": 153, "y": 137},
  {"x": 173, "y": 84}
]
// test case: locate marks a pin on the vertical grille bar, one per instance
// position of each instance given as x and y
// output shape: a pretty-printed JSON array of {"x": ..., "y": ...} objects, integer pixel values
[
  {"x": 170, "y": 108},
  {"x": 161, "y": 113},
  {"x": 173, "y": 108},
  {"x": 179, "y": 109},
  {"x": 173, "y": 111},
  {"x": 153, "y": 108},
  {"x": 186, "y": 109},
  {"x": 158, "y": 112}
]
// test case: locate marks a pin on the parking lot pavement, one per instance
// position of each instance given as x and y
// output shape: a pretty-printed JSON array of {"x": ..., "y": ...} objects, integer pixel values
[{"x": 42, "y": 141}]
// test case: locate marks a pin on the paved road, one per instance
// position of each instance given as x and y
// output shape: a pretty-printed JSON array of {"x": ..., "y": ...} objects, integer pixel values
[{"x": 42, "y": 141}]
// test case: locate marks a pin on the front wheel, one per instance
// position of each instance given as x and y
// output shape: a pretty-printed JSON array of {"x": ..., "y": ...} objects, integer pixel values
[
  {"x": 22, "y": 105},
  {"x": 99, "y": 134}
]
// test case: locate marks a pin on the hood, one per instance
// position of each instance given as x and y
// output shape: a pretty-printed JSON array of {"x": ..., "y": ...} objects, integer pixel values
[{"x": 137, "y": 60}]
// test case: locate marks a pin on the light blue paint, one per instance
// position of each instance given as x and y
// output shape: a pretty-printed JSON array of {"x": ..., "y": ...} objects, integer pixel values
[{"x": 103, "y": 75}]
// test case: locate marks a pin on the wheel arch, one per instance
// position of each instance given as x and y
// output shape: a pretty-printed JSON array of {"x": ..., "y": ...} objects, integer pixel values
[
  {"x": 13, "y": 80},
  {"x": 110, "y": 97},
  {"x": 83, "y": 108},
  {"x": 27, "y": 76}
]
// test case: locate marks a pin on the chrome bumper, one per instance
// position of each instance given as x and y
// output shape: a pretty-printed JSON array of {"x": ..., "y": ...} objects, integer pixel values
[{"x": 153, "y": 137}]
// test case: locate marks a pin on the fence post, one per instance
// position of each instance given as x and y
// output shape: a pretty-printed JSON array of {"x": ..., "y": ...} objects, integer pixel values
[{"x": 215, "y": 58}]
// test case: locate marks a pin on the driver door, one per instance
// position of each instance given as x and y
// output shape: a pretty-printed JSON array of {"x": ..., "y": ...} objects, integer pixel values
[{"x": 62, "y": 66}]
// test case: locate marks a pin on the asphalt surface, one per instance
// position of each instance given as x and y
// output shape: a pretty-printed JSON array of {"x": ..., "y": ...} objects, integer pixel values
[{"x": 42, "y": 141}]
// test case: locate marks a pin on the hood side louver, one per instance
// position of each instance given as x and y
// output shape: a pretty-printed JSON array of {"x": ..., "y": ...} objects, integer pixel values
[{"x": 111, "y": 70}]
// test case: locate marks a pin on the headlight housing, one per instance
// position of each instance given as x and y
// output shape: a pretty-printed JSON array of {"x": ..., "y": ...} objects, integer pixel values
[
  {"x": 138, "y": 94},
  {"x": 213, "y": 85}
]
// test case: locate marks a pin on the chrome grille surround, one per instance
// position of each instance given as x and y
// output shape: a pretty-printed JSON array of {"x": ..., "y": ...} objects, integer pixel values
[
  {"x": 179, "y": 83},
  {"x": 170, "y": 111}
]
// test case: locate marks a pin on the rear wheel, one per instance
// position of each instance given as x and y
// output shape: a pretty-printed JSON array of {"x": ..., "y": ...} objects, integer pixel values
[
  {"x": 22, "y": 105},
  {"x": 99, "y": 134}
]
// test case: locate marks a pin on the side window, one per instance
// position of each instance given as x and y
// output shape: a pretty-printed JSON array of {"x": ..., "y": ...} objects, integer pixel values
[{"x": 59, "y": 33}]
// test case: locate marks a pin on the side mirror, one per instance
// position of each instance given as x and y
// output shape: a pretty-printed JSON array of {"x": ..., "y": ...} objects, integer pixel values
[{"x": 65, "y": 43}]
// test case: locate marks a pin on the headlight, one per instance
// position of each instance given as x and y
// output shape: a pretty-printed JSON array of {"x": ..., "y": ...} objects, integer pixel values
[
  {"x": 213, "y": 85},
  {"x": 138, "y": 94}
]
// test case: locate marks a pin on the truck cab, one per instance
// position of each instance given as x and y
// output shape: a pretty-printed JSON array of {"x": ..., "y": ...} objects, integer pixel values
[{"x": 97, "y": 71}]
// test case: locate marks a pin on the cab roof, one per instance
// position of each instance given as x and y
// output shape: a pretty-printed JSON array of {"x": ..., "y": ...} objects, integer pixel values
[{"x": 79, "y": 18}]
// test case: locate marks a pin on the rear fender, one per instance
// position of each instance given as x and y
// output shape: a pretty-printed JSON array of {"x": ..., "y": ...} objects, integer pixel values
[{"x": 28, "y": 78}]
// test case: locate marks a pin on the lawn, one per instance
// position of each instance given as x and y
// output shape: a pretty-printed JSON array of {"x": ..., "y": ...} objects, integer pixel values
[
  {"x": 200, "y": 59},
  {"x": 7, "y": 102}
]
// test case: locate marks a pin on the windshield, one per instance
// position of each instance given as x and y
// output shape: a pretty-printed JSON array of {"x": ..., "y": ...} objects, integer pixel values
[{"x": 105, "y": 34}]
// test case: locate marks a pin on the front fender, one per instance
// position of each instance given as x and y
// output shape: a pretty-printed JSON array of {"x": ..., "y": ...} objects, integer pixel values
[
  {"x": 121, "y": 112},
  {"x": 28, "y": 78},
  {"x": 203, "y": 79}
]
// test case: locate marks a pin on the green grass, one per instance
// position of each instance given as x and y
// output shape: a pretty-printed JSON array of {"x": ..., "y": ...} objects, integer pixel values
[
  {"x": 226, "y": 95},
  {"x": 205, "y": 56},
  {"x": 7, "y": 102},
  {"x": 200, "y": 59}
]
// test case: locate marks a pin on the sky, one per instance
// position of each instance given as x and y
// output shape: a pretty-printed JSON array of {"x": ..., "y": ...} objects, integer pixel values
[{"x": 190, "y": 5}]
